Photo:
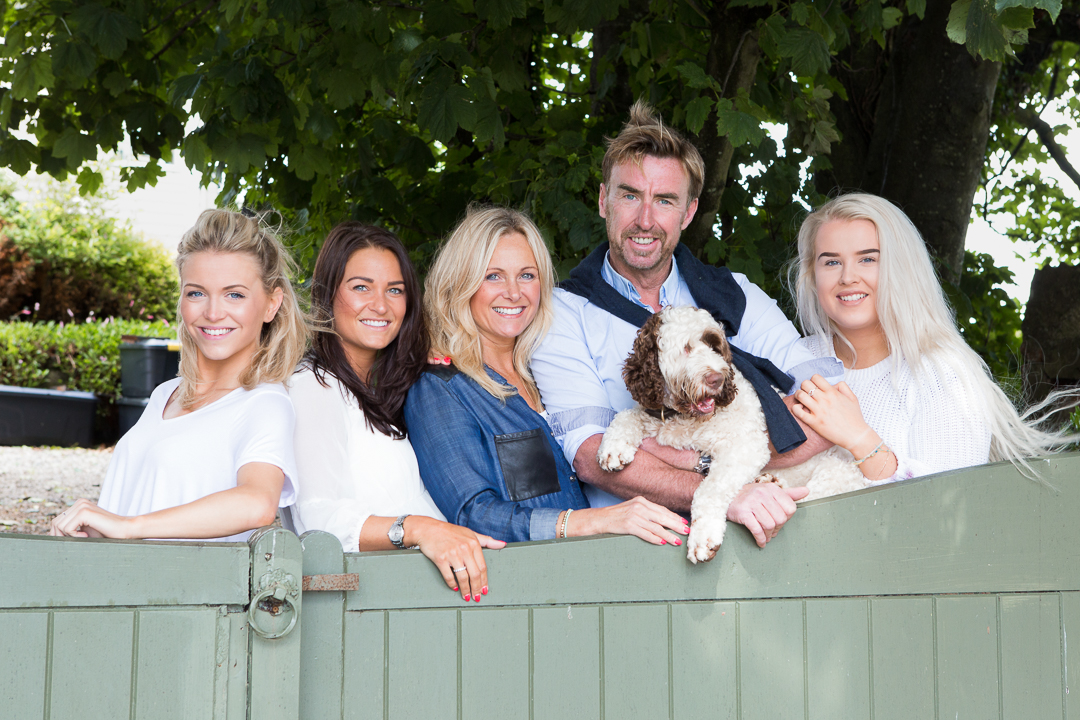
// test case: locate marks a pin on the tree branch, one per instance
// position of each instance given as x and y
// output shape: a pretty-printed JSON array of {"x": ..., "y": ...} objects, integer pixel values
[{"x": 1046, "y": 134}]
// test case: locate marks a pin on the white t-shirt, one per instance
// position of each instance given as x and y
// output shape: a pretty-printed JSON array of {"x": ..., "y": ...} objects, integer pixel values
[
  {"x": 161, "y": 463},
  {"x": 930, "y": 422},
  {"x": 348, "y": 471}
]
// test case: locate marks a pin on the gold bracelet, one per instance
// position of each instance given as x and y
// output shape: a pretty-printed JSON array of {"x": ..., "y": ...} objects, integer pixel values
[
  {"x": 872, "y": 453},
  {"x": 565, "y": 520}
]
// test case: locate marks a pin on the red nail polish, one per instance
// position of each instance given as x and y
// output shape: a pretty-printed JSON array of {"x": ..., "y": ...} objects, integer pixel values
[
  {"x": 476, "y": 598},
  {"x": 455, "y": 589},
  {"x": 467, "y": 598},
  {"x": 678, "y": 541},
  {"x": 663, "y": 542},
  {"x": 483, "y": 590}
]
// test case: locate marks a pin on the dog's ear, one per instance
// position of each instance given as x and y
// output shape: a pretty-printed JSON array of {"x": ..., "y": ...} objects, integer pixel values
[
  {"x": 729, "y": 391},
  {"x": 641, "y": 373},
  {"x": 718, "y": 343}
]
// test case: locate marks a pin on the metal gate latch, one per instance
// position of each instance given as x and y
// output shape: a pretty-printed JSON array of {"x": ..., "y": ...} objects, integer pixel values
[{"x": 276, "y": 595}]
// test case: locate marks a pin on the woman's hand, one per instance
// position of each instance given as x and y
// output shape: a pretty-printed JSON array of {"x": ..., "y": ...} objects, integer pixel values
[
  {"x": 453, "y": 548},
  {"x": 834, "y": 413},
  {"x": 651, "y": 522},
  {"x": 86, "y": 519},
  {"x": 438, "y": 359}
]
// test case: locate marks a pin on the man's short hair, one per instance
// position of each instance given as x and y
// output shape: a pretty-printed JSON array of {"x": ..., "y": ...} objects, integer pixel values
[{"x": 645, "y": 134}]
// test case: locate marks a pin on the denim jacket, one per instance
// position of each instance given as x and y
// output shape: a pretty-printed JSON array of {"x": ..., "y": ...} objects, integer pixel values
[{"x": 491, "y": 466}]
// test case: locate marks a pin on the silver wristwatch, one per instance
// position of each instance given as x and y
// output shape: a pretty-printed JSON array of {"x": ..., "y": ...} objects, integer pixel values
[
  {"x": 396, "y": 533},
  {"x": 703, "y": 464}
]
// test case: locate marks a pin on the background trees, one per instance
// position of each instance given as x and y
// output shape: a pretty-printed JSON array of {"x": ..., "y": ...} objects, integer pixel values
[{"x": 402, "y": 112}]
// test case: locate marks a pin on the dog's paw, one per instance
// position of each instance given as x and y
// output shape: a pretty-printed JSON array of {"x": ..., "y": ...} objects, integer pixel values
[
  {"x": 615, "y": 454},
  {"x": 767, "y": 478},
  {"x": 705, "y": 538}
]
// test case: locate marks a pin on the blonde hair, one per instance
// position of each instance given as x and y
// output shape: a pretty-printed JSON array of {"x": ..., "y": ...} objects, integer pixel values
[
  {"x": 645, "y": 134},
  {"x": 919, "y": 324},
  {"x": 459, "y": 270},
  {"x": 283, "y": 339}
]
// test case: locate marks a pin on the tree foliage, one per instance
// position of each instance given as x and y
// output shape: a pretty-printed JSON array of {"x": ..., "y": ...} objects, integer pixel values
[{"x": 403, "y": 112}]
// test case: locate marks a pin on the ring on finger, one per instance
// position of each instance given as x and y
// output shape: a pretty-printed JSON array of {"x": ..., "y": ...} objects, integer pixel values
[
  {"x": 457, "y": 570},
  {"x": 810, "y": 392}
]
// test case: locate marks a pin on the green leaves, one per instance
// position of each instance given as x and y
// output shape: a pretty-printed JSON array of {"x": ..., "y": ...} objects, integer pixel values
[
  {"x": 500, "y": 13},
  {"x": 988, "y": 32},
  {"x": 75, "y": 147},
  {"x": 739, "y": 127},
  {"x": 808, "y": 51},
  {"x": 444, "y": 105},
  {"x": 32, "y": 73},
  {"x": 107, "y": 29}
]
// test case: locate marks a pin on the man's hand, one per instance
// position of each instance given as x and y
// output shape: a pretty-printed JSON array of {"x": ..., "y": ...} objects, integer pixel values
[{"x": 764, "y": 508}]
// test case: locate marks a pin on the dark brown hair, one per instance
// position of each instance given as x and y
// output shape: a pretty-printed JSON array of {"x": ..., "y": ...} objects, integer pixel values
[{"x": 400, "y": 363}]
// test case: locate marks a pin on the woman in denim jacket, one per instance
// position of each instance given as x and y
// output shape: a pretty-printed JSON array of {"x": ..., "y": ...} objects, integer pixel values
[{"x": 486, "y": 453}]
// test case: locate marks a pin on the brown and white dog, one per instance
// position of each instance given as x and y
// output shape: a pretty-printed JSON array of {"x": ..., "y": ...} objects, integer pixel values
[{"x": 691, "y": 396}]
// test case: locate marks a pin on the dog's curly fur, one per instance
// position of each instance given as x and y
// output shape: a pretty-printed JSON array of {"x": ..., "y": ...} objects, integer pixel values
[{"x": 691, "y": 396}]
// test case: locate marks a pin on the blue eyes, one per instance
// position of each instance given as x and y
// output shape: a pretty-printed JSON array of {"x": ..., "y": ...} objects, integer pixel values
[
  {"x": 196, "y": 294},
  {"x": 495, "y": 277}
]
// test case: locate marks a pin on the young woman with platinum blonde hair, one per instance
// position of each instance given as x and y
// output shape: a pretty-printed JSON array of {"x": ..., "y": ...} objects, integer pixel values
[
  {"x": 478, "y": 426},
  {"x": 211, "y": 457},
  {"x": 915, "y": 399}
]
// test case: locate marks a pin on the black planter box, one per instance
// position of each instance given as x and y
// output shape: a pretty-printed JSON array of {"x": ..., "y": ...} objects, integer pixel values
[
  {"x": 145, "y": 363},
  {"x": 46, "y": 417},
  {"x": 131, "y": 409}
]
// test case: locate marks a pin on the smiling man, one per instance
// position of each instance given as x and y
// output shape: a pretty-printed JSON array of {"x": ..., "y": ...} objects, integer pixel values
[{"x": 652, "y": 180}]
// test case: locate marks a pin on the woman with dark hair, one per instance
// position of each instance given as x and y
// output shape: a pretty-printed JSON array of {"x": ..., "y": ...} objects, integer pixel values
[{"x": 361, "y": 478}]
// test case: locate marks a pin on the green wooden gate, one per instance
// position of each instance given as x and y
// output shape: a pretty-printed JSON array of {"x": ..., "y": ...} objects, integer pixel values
[{"x": 944, "y": 597}]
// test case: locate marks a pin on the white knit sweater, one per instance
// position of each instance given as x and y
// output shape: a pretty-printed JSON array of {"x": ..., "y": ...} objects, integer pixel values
[{"x": 929, "y": 422}]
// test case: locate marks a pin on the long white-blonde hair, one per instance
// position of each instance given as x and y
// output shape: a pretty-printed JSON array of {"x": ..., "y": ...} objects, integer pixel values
[
  {"x": 918, "y": 323},
  {"x": 283, "y": 340},
  {"x": 457, "y": 274}
]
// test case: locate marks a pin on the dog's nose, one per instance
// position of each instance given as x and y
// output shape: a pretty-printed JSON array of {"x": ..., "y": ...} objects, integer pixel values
[{"x": 713, "y": 379}]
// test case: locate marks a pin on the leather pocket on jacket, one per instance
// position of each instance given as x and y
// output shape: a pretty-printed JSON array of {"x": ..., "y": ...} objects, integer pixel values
[{"x": 528, "y": 465}]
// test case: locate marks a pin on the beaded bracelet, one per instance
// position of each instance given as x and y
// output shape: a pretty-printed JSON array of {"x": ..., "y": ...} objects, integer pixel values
[
  {"x": 872, "y": 453},
  {"x": 565, "y": 519}
]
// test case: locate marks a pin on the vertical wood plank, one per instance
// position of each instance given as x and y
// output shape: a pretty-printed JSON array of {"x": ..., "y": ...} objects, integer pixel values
[
  {"x": 636, "y": 660},
  {"x": 1070, "y": 628},
  {"x": 1031, "y": 656},
  {"x": 236, "y": 664},
  {"x": 771, "y": 659},
  {"x": 24, "y": 644},
  {"x": 566, "y": 663},
  {"x": 704, "y": 657},
  {"x": 321, "y": 632},
  {"x": 175, "y": 677},
  {"x": 91, "y": 664},
  {"x": 423, "y": 666},
  {"x": 837, "y": 659},
  {"x": 967, "y": 652},
  {"x": 495, "y": 663},
  {"x": 363, "y": 696},
  {"x": 903, "y": 658}
]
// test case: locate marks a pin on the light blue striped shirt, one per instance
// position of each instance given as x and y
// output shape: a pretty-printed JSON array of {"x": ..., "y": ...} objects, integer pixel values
[{"x": 578, "y": 366}]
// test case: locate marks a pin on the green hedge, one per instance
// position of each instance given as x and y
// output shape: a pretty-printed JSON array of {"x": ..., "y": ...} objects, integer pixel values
[
  {"x": 64, "y": 263},
  {"x": 74, "y": 356}
]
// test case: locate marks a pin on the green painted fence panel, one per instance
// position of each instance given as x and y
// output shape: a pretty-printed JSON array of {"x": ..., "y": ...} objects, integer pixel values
[
  {"x": 23, "y": 660},
  {"x": 637, "y": 664},
  {"x": 566, "y": 662},
  {"x": 902, "y": 655},
  {"x": 967, "y": 657},
  {"x": 422, "y": 661},
  {"x": 175, "y": 666},
  {"x": 495, "y": 660},
  {"x": 90, "y": 664},
  {"x": 1031, "y": 656},
  {"x": 771, "y": 667},
  {"x": 364, "y": 694},
  {"x": 838, "y": 659},
  {"x": 1070, "y": 626},
  {"x": 704, "y": 660},
  {"x": 322, "y": 626}
]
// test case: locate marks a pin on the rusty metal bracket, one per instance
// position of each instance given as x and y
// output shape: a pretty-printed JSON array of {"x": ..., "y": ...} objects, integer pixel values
[{"x": 331, "y": 583}]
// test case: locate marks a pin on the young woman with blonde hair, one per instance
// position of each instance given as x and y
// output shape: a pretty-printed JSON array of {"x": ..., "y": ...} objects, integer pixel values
[
  {"x": 486, "y": 453},
  {"x": 915, "y": 399},
  {"x": 211, "y": 456}
]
